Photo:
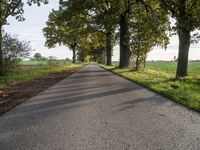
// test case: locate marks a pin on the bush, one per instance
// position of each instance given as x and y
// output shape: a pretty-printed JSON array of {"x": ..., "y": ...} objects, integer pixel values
[
  {"x": 37, "y": 56},
  {"x": 13, "y": 51},
  {"x": 52, "y": 62}
]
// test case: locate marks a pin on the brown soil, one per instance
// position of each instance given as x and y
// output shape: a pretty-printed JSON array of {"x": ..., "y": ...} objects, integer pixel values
[{"x": 12, "y": 96}]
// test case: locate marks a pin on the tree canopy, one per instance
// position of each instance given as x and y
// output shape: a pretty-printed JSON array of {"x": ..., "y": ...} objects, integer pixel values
[
  {"x": 92, "y": 28},
  {"x": 186, "y": 13}
]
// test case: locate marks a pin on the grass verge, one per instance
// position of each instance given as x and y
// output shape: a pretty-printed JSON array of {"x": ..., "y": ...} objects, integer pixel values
[
  {"x": 27, "y": 84},
  {"x": 25, "y": 75},
  {"x": 185, "y": 91}
]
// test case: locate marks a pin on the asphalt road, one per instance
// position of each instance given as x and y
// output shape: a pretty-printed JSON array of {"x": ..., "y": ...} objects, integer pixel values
[{"x": 97, "y": 110}]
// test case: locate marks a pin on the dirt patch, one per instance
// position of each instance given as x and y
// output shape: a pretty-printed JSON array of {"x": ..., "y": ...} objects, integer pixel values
[{"x": 14, "y": 95}]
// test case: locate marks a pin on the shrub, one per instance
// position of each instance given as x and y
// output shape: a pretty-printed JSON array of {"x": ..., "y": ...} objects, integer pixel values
[
  {"x": 37, "y": 56},
  {"x": 13, "y": 51},
  {"x": 52, "y": 62}
]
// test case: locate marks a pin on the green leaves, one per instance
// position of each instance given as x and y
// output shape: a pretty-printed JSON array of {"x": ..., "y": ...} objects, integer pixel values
[
  {"x": 38, "y": 2},
  {"x": 65, "y": 27},
  {"x": 11, "y": 8},
  {"x": 186, "y": 12},
  {"x": 15, "y": 8}
]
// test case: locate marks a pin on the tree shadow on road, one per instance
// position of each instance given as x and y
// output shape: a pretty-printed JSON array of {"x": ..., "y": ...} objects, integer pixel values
[{"x": 147, "y": 101}]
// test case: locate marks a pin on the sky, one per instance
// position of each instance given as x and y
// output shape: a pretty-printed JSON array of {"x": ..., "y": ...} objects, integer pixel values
[{"x": 36, "y": 17}]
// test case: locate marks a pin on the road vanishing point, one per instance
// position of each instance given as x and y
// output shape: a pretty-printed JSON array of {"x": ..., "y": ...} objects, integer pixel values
[{"x": 94, "y": 109}]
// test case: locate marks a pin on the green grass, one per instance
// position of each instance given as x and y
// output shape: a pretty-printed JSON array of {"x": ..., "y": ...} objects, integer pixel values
[
  {"x": 32, "y": 62},
  {"x": 24, "y": 75},
  {"x": 159, "y": 77},
  {"x": 41, "y": 63},
  {"x": 170, "y": 67},
  {"x": 115, "y": 63}
]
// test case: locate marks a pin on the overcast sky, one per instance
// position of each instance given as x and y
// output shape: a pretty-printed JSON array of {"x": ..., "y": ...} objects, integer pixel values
[{"x": 36, "y": 17}]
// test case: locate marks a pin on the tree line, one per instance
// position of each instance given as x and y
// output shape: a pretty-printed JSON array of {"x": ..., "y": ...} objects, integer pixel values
[{"x": 91, "y": 28}]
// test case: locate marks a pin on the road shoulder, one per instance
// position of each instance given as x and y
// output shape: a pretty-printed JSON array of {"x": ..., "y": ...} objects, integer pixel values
[{"x": 11, "y": 96}]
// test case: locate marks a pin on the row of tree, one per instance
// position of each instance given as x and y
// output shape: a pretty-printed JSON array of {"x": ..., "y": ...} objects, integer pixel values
[{"x": 93, "y": 27}]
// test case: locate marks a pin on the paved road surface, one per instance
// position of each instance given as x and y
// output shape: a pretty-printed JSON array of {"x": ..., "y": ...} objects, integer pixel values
[{"x": 96, "y": 110}]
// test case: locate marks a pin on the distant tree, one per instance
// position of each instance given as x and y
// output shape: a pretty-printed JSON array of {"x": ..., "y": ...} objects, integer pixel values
[
  {"x": 92, "y": 48},
  {"x": 52, "y": 61},
  {"x": 13, "y": 51},
  {"x": 101, "y": 17},
  {"x": 37, "y": 56},
  {"x": 68, "y": 59},
  {"x": 12, "y": 8},
  {"x": 175, "y": 58},
  {"x": 51, "y": 58}
]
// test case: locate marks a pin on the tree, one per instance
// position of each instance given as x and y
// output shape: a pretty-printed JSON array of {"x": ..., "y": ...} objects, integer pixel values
[
  {"x": 12, "y": 8},
  {"x": 13, "y": 51},
  {"x": 148, "y": 29},
  {"x": 37, "y": 56},
  {"x": 62, "y": 28},
  {"x": 92, "y": 47},
  {"x": 101, "y": 17},
  {"x": 125, "y": 52},
  {"x": 186, "y": 13},
  {"x": 106, "y": 18},
  {"x": 124, "y": 23}
]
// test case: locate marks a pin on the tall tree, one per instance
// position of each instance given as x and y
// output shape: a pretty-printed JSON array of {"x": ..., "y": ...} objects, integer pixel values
[
  {"x": 186, "y": 13},
  {"x": 125, "y": 52},
  {"x": 64, "y": 30},
  {"x": 102, "y": 17},
  {"x": 148, "y": 29},
  {"x": 125, "y": 15},
  {"x": 12, "y": 8}
]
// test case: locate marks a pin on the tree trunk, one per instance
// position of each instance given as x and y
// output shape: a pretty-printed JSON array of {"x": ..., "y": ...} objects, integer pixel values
[
  {"x": 125, "y": 53},
  {"x": 137, "y": 63},
  {"x": 109, "y": 48},
  {"x": 74, "y": 55},
  {"x": 184, "y": 41},
  {"x": 1, "y": 52},
  {"x": 73, "y": 47},
  {"x": 103, "y": 56},
  {"x": 145, "y": 60},
  {"x": 1, "y": 39},
  {"x": 184, "y": 45}
]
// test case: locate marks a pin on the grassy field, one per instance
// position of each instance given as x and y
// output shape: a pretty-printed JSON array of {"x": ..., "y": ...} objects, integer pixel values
[
  {"x": 159, "y": 77},
  {"x": 41, "y": 63},
  {"x": 34, "y": 62},
  {"x": 27, "y": 72},
  {"x": 170, "y": 67}
]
